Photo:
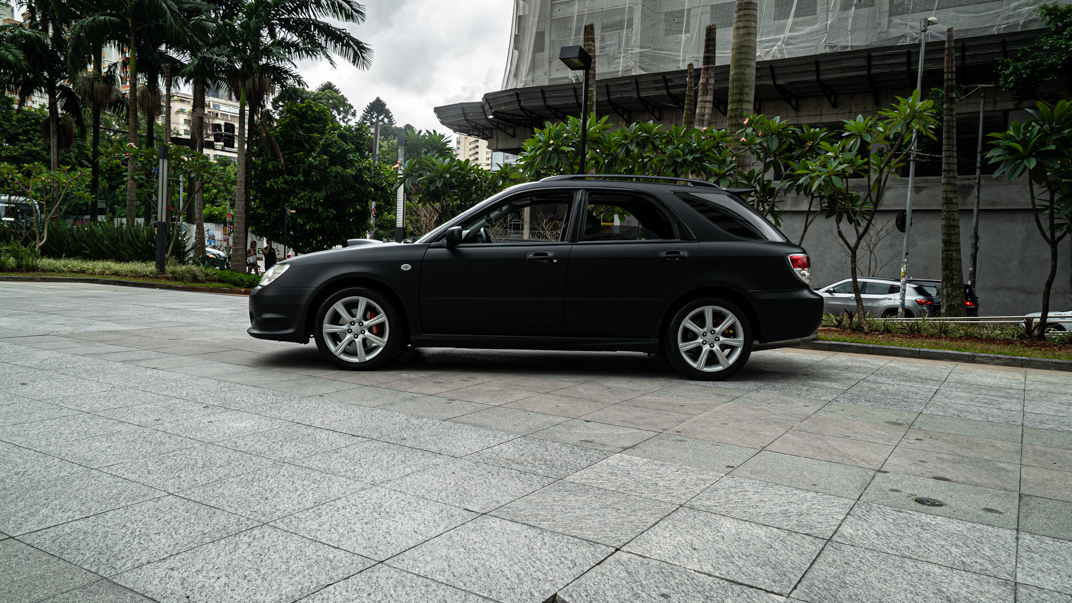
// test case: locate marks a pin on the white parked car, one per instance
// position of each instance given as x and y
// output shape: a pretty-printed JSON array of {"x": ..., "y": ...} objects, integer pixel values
[{"x": 1057, "y": 321}]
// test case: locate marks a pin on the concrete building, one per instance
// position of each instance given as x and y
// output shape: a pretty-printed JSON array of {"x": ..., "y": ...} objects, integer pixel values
[
  {"x": 221, "y": 121},
  {"x": 474, "y": 149},
  {"x": 818, "y": 63}
]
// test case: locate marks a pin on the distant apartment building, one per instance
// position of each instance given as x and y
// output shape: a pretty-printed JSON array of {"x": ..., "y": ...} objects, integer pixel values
[
  {"x": 221, "y": 122},
  {"x": 476, "y": 150}
]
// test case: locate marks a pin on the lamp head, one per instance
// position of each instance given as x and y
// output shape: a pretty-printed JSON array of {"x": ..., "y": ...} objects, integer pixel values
[
  {"x": 575, "y": 57},
  {"x": 932, "y": 20}
]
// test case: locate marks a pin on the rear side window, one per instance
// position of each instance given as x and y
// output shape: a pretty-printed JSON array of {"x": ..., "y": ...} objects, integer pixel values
[
  {"x": 872, "y": 288},
  {"x": 618, "y": 217},
  {"x": 737, "y": 221}
]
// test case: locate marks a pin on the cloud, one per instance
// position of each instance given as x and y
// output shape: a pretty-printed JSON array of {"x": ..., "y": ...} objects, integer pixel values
[{"x": 426, "y": 53}]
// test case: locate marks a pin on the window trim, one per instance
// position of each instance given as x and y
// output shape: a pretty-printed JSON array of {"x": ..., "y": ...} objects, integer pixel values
[{"x": 659, "y": 206}]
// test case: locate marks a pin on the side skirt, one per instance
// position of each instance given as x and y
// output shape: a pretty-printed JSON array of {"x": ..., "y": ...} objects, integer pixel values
[{"x": 515, "y": 342}]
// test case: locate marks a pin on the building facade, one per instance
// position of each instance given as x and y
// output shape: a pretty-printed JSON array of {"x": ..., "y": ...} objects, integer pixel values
[{"x": 818, "y": 63}]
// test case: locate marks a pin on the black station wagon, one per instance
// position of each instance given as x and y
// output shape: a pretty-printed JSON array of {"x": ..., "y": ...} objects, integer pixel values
[{"x": 567, "y": 263}]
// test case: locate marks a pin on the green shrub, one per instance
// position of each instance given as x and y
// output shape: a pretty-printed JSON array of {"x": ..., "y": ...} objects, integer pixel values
[
  {"x": 238, "y": 279},
  {"x": 19, "y": 258},
  {"x": 130, "y": 242}
]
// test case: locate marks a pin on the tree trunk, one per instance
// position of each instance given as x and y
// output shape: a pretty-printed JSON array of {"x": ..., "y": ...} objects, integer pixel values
[
  {"x": 150, "y": 140},
  {"x": 238, "y": 239},
  {"x": 689, "y": 115},
  {"x": 198, "y": 189},
  {"x": 1054, "y": 241},
  {"x": 590, "y": 48},
  {"x": 253, "y": 106},
  {"x": 952, "y": 267},
  {"x": 860, "y": 316},
  {"x": 742, "y": 85},
  {"x": 705, "y": 105},
  {"x": 53, "y": 141},
  {"x": 132, "y": 133},
  {"x": 94, "y": 184}
]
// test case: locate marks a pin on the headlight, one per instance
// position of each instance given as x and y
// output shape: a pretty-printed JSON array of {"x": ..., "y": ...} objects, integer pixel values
[{"x": 273, "y": 273}]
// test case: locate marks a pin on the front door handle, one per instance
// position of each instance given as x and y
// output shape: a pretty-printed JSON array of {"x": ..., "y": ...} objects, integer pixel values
[
  {"x": 542, "y": 257},
  {"x": 673, "y": 255}
]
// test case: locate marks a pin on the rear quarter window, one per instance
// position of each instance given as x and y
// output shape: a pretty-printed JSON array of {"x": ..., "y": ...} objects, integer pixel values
[{"x": 736, "y": 221}]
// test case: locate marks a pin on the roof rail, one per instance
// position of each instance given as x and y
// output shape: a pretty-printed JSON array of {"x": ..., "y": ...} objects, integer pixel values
[{"x": 691, "y": 182}]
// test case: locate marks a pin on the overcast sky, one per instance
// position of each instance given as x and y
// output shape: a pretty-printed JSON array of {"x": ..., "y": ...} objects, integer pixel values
[{"x": 427, "y": 53}]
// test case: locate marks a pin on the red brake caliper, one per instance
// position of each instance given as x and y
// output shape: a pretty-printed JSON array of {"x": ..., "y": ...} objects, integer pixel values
[{"x": 375, "y": 329}]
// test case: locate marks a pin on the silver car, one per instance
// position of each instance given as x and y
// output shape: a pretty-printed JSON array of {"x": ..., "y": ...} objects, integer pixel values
[{"x": 881, "y": 297}]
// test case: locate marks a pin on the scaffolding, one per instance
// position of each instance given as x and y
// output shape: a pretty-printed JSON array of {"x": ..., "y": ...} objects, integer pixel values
[{"x": 636, "y": 37}]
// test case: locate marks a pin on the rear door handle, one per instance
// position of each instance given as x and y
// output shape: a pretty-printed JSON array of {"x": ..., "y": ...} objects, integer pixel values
[
  {"x": 673, "y": 255},
  {"x": 542, "y": 257}
]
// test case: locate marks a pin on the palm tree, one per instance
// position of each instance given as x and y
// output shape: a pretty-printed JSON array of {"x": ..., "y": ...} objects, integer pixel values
[
  {"x": 261, "y": 45},
  {"x": 131, "y": 23},
  {"x": 742, "y": 92},
  {"x": 100, "y": 89}
]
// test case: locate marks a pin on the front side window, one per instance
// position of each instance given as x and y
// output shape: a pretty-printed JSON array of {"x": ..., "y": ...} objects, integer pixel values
[
  {"x": 540, "y": 218},
  {"x": 845, "y": 287},
  {"x": 623, "y": 217}
]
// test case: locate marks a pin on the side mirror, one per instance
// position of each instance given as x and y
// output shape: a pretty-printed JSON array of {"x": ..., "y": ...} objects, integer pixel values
[{"x": 453, "y": 237}]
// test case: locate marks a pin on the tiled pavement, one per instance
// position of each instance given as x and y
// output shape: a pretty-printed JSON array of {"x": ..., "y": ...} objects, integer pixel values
[{"x": 150, "y": 449}]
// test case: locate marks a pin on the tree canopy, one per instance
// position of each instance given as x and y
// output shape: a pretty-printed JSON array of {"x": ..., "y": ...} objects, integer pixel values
[
  {"x": 327, "y": 95},
  {"x": 326, "y": 177},
  {"x": 377, "y": 109},
  {"x": 1032, "y": 73}
]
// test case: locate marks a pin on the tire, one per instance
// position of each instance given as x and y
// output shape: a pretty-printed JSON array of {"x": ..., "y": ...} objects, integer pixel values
[
  {"x": 374, "y": 345},
  {"x": 890, "y": 313},
  {"x": 684, "y": 344}
]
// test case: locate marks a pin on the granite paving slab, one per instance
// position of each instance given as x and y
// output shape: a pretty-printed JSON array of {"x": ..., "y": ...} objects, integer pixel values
[
  {"x": 1045, "y": 562},
  {"x": 701, "y": 454},
  {"x": 968, "y": 427},
  {"x": 1046, "y": 516},
  {"x": 376, "y": 523},
  {"x": 274, "y": 492},
  {"x": 261, "y": 564},
  {"x": 773, "y": 505},
  {"x": 626, "y": 577},
  {"x": 950, "y": 542},
  {"x": 291, "y": 442},
  {"x": 470, "y": 485},
  {"x": 503, "y": 560},
  {"x": 595, "y": 514},
  {"x": 959, "y": 501},
  {"x": 836, "y": 449},
  {"x": 612, "y": 438},
  {"x": 646, "y": 478},
  {"x": 973, "y": 471},
  {"x": 743, "y": 552},
  {"x": 845, "y": 574},
  {"x": 189, "y": 467},
  {"x": 835, "y": 479},
  {"x": 542, "y": 457},
  {"x": 1031, "y": 594},
  {"x": 373, "y": 462},
  {"x": 1046, "y": 483},
  {"x": 123, "y": 539},
  {"x": 27, "y": 574},
  {"x": 102, "y": 591},
  {"x": 384, "y": 584}
]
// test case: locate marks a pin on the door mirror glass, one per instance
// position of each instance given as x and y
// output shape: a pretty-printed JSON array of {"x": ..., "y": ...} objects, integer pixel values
[{"x": 453, "y": 236}]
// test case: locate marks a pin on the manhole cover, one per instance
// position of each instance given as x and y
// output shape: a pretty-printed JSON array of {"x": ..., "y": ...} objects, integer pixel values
[{"x": 929, "y": 502}]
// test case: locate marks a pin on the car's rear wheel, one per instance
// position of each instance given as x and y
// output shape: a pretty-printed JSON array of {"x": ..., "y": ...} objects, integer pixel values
[
  {"x": 709, "y": 339},
  {"x": 357, "y": 329}
]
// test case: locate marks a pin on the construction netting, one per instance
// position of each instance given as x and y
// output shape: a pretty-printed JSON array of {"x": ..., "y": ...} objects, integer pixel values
[{"x": 651, "y": 36}]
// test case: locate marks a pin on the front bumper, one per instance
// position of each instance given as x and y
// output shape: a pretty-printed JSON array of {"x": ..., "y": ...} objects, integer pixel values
[
  {"x": 786, "y": 315},
  {"x": 278, "y": 313}
]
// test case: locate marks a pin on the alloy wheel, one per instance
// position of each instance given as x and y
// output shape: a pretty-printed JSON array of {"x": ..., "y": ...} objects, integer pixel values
[
  {"x": 710, "y": 339},
  {"x": 356, "y": 329}
]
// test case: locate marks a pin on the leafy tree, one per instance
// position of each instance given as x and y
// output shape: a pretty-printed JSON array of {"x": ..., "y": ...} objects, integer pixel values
[
  {"x": 49, "y": 192},
  {"x": 1031, "y": 73},
  {"x": 439, "y": 188},
  {"x": 326, "y": 176},
  {"x": 327, "y": 94},
  {"x": 20, "y": 134},
  {"x": 871, "y": 149},
  {"x": 260, "y": 48},
  {"x": 377, "y": 109},
  {"x": 1041, "y": 147},
  {"x": 425, "y": 143}
]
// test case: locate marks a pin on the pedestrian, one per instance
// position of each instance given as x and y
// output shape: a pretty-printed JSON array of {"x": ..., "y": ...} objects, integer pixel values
[
  {"x": 251, "y": 259},
  {"x": 269, "y": 255}
]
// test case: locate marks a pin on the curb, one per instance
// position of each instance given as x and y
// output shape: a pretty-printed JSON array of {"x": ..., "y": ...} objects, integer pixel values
[
  {"x": 950, "y": 356},
  {"x": 121, "y": 283}
]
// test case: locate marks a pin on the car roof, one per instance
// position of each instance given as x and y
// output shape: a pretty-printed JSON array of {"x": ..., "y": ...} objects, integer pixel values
[{"x": 644, "y": 181}]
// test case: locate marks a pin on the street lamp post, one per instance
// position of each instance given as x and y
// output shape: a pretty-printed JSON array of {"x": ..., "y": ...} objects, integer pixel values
[
  {"x": 161, "y": 208},
  {"x": 924, "y": 27},
  {"x": 577, "y": 59}
]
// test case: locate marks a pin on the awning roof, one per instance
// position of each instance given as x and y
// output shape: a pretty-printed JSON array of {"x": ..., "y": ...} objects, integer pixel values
[{"x": 643, "y": 97}]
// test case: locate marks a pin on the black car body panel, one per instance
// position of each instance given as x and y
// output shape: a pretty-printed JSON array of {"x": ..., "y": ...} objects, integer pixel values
[{"x": 577, "y": 294}]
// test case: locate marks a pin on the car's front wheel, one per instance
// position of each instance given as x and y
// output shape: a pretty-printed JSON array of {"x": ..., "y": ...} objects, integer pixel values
[
  {"x": 357, "y": 329},
  {"x": 709, "y": 339}
]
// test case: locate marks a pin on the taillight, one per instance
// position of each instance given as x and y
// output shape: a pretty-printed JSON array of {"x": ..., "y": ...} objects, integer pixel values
[
  {"x": 923, "y": 302},
  {"x": 801, "y": 266},
  {"x": 969, "y": 303}
]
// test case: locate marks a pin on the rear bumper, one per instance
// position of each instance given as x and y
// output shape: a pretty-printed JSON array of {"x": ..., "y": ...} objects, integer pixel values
[
  {"x": 787, "y": 315},
  {"x": 278, "y": 313}
]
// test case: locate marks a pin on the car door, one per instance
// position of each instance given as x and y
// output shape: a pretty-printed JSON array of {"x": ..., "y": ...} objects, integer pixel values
[
  {"x": 628, "y": 262},
  {"x": 508, "y": 275},
  {"x": 839, "y": 298}
]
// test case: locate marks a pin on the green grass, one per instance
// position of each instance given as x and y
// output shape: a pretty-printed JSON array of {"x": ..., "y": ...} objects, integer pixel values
[
  {"x": 139, "y": 279},
  {"x": 1005, "y": 348},
  {"x": 187, "y": 274}
]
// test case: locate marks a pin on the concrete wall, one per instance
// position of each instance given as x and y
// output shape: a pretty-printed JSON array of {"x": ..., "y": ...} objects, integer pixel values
[{"x": 1013, "y": 259}]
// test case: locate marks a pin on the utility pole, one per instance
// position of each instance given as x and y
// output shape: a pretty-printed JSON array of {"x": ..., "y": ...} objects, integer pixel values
[
  {"x": 973, "y": 271},
  {"x": 925, "y": 25},
  {"x": 161, "y": 208}
]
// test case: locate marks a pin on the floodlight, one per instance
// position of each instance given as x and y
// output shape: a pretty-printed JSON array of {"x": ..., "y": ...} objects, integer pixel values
[{"x": 575, "y": 57}]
